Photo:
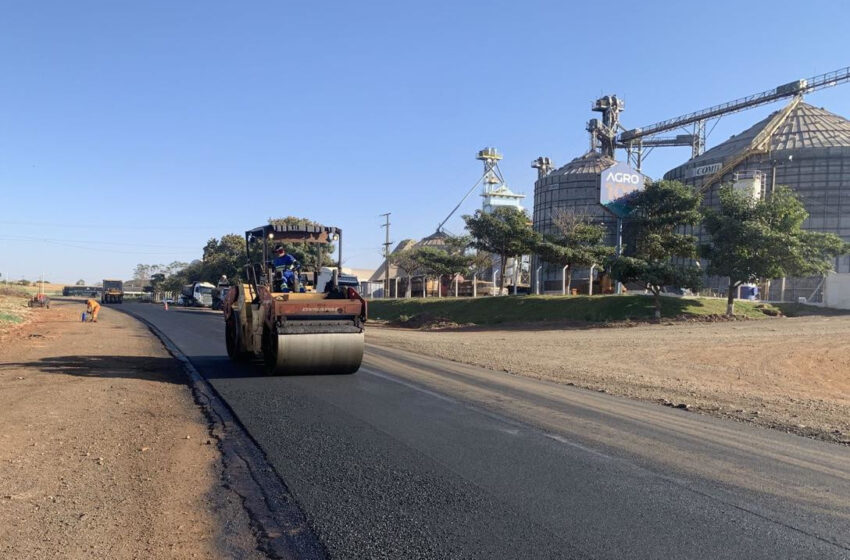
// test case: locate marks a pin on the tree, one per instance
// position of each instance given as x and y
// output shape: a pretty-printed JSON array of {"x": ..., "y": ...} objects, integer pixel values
[
  {"x": 661, "y": 251},
  {"x": 141, "y": 273},
  {"x": 458, "y": 259},
  {"x": 174, "y": 268},
  {"x": 306, "y": 253},
  {"x": 80, "y": 282},
  {"x": 430, "y": 261},
  {"x": 446, "y": 261},
  {"x": 223, "y": 257},
  {"x": 157, "y": 280},
  {"x": 753, "y": 239},
  {"x": 407, "y": 261},
  {"x": 577, "y": 242},
  {"x": 167, "y": 277},
  {"x": 479, "y": 262},
  {"x": 506, "y": 232},
  {"x": 190, "y": 273}
]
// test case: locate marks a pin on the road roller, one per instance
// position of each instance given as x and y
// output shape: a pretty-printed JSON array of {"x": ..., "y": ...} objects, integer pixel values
[{"x": 297, "y": 316}]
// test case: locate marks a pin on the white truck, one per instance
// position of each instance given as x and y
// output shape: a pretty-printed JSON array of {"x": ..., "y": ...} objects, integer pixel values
[
  {"x": 326, "y": 275},
  {"x": 197, "y": 294}
]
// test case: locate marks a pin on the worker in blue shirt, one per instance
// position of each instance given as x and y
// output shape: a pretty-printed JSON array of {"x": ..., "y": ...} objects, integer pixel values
[{"x": 284, "y": 263}]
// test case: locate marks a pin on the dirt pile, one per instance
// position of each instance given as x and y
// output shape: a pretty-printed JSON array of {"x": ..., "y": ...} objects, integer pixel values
[{"x": 426, "y": 321}]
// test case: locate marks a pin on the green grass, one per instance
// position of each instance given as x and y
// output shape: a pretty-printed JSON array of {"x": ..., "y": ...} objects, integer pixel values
[
  {"x": 596, "y": 309},
  {"x": 9, "y": 318},
  {"x": 13, "y": 308}
]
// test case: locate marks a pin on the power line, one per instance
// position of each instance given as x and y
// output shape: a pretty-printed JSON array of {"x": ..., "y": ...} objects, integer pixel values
[
  {"x": 95, "y": 242},
  {"x": 101, "y": 226},
  {"x": 93, "y": 249}
]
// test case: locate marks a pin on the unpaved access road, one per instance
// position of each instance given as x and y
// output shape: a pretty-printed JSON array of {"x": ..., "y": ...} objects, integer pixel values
[
  {"x": 791, "y": 374},
  {"x": 103, "y": 452}
]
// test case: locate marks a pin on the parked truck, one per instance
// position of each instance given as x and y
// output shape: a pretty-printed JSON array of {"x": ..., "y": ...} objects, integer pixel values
[
  {"x": 113, "y": 291},
  {"x": 220, "y": 292},
  {"x": 198, "y": 294}
]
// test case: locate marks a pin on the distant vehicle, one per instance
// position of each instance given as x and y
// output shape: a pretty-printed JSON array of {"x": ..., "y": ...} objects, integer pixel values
[
  {"x": 675, "y": 291},
  {"x": 113, "y": 291},
  {"x": 88, "y": 291},
  {"x": 197, "y": 294},
  {"x": 220, "y": 292},
  {"x": 326, "y": 276},
  {"x": 39, "y": 300}
]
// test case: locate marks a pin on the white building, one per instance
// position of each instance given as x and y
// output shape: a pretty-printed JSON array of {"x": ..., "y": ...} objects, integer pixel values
[{"x": 497, "y": 194}]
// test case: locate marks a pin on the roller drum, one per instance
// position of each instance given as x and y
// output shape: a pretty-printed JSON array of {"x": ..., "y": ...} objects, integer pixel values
[{"x": 321, "y": 353}]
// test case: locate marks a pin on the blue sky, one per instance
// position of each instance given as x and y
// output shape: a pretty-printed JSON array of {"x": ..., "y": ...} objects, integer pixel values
[{"x": 132, "y": 132}]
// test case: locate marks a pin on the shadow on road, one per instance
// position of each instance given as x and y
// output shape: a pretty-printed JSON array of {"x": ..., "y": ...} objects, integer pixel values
[
  {"x": 165, "y": 370},
  {"x": 196, "y": 310},
  {"x": 221, "y": 367}
]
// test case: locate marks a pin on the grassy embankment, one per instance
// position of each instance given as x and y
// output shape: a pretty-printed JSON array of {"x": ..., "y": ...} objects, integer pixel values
[
  {"x": 596, "y": 309},
  {"x": 13, "y": 305}
]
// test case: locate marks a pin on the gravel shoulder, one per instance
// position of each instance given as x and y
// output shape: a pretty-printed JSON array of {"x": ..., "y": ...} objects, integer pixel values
[
  {"x": 791, "y": 374},
  {"x": 103, "y": 452}
]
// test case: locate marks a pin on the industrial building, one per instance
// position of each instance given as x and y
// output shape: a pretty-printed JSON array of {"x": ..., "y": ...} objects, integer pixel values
[
  {"x": 495, "y": 194},
  {"x": 397, "y": 285},
  {"x": 573, "y": 187},
  {"x": 801, "y": 146}
]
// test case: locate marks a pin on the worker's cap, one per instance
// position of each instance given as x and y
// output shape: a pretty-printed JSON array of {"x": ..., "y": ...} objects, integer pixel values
[{"x": 278, "y": 248}]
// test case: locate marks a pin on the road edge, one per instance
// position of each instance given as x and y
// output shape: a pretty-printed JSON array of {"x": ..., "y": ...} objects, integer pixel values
[{"x": 281, "y": 526}]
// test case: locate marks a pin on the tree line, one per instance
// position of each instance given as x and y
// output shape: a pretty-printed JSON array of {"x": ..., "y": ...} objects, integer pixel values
[
  {"x": 748, "y": 239},
  {"x": 227, "y": 256}
]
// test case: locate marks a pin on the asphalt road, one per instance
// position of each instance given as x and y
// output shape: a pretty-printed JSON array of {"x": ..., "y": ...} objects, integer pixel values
[{"x": 415, "y": 457}]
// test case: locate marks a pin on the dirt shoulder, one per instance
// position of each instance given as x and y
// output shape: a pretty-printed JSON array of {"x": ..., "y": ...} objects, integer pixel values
[
  {"x": 791, "y": 374},
  {"x": 103, "y": 452}
]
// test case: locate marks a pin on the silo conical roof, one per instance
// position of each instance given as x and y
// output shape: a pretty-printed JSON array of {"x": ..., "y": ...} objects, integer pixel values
[
  {"x": 805, "y": 126},
  {"x": 591, "y": 162},
  {"x": 378, "y": 275},
  {"x": 436, "y": 239},
  {"x": 811, "y": 127}
]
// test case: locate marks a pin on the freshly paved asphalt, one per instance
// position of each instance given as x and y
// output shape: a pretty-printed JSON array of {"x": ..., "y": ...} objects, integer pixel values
[{"x": 415, "y": 457}]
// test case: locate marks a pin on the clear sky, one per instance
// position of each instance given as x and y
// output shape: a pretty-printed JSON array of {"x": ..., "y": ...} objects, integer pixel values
[{"x": 132, "y": 132}]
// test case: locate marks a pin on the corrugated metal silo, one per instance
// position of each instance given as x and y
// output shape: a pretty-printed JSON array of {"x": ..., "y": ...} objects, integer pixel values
[
  {"x": 574, "y": 186},
  {"x": 804, "y": 147}
]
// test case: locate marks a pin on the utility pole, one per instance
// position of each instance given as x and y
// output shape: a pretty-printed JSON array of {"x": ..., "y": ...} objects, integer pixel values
[
  {"x": 619, "y": 248},
  {"x": 387, "y": 255}
]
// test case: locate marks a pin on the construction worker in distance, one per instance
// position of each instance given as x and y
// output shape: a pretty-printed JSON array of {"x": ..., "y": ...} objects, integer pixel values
[
  {"x": 92, "y": 308},
  {"x": 284, "y": 263}
]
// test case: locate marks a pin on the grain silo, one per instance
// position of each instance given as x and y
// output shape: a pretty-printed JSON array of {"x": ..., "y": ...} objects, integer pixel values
[
  {"x": 801, "y": 146},
  {"x": 573, "y": 187}
]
